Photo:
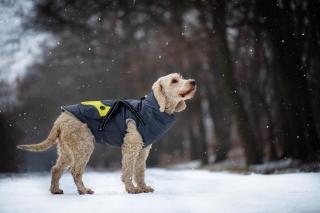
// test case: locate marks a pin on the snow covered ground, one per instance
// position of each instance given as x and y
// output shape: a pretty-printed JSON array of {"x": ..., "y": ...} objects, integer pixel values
[{"x": 176, "y": 191}]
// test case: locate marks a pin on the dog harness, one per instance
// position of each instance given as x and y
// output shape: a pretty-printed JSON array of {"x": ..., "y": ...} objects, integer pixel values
[{"x": 107, "y": 118}]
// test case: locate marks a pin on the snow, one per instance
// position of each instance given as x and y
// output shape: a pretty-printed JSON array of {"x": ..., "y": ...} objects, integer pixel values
[{"x": 176, "y": 191}]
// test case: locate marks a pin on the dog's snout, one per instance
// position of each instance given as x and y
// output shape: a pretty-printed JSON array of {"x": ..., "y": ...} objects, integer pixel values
[{"x": 193, "y": 82}]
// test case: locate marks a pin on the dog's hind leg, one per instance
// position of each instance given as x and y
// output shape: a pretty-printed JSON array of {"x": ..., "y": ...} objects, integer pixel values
[
  {"x": 57, "y": 170},
  {"x": 82, "y": 151},
  {"x": 139, "y": 171},
  {"x": 77, "y": 172},
  {"x": 130, "y": 149}
]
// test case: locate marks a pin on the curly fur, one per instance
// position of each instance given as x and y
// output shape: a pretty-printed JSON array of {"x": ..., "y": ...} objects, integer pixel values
[{"x": 75, "y": 142}]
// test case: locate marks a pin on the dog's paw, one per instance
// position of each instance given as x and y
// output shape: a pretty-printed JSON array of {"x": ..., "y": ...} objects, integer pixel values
[
  {"x": 134, "y": 190},
  {"x": 86, "y": 191},
  {"x": 56, "y": 191},
  {"x": 146, "y": 189},
  {"x": 89, "y": 191}
]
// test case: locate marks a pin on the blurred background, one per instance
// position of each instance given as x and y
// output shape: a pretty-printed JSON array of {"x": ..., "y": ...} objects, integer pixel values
[{"x": 256, "y": 63}]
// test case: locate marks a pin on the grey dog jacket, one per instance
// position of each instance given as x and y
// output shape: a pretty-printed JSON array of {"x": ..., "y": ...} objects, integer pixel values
[{"x": 107, "y": 118}]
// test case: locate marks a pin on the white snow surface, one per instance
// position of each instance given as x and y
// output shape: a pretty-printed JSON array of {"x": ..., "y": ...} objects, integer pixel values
[{"x": 176, "y": 191}]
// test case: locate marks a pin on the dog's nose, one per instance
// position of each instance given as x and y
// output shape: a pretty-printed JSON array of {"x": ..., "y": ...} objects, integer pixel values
[{"x": 193, "y": 82}]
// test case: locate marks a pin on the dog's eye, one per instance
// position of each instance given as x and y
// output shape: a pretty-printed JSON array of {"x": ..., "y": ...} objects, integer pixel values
[{"x": 174, "y": 81}]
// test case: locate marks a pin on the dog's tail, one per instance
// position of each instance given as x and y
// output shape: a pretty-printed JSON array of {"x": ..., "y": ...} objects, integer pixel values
[{"x": 46, "y": 144}]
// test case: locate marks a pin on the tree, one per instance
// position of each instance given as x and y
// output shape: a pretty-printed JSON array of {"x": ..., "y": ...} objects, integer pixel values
[
  {"x": 289, "y": 48},
  {"x": 218, "y": 12}
]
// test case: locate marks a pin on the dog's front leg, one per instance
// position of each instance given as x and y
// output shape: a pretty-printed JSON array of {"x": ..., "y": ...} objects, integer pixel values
[
  {"x": 131, "y": 147},
  {"x": 139, "y": 171}
]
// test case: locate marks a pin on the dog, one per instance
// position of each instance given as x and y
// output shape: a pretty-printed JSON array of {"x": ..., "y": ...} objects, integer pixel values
[{"x": 134, "y": 125}]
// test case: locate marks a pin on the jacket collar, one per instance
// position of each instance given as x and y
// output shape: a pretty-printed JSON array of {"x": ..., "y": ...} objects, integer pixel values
[{"x": 152, "y": 102}]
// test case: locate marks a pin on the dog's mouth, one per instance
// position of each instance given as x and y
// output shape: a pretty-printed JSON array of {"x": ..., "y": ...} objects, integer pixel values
[{"x": 189, "y": 93}]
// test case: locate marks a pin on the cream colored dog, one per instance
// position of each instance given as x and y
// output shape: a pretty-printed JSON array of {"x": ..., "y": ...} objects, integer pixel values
[{"x": 75, "y": 141}]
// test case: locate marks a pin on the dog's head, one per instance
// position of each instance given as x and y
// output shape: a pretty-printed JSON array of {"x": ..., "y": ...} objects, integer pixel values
[{"x": 172, "y": 90}]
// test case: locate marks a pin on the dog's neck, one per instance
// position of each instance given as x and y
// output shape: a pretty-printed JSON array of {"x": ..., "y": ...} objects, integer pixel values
[{"x": 170, "y": 106}]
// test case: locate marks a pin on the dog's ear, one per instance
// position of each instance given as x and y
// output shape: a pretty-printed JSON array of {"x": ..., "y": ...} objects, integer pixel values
[
  {"x": 159, "y": 94},
  {"x": 180, "y": 106}
]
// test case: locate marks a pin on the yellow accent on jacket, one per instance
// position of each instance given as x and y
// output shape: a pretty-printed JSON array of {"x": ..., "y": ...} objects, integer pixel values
[{"x": 102, "y": 108}]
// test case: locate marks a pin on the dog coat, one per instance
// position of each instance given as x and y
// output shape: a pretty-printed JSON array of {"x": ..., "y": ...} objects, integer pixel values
[{"x": 107, "y": 118}]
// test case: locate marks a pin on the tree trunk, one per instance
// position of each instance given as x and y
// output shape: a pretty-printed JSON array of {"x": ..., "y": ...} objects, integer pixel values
[
  {"x": 217, "y": 102},
  {"x": 218, "y": 11},
  {"x": 301, "y": 139}
]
